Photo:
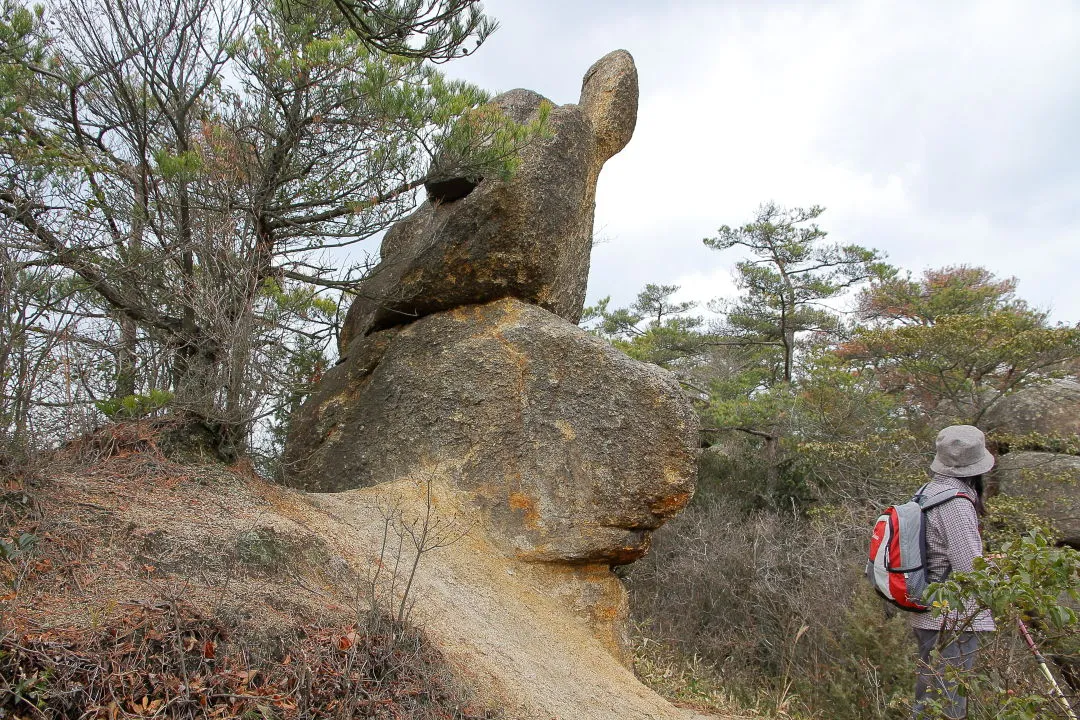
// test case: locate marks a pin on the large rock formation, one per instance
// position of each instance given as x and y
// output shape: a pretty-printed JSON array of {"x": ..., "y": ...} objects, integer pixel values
[
  {"x": 528, "y": 237},
  {"x": 1052, "y": 409},
  {"x": 460, "y": 356},
  {"x": 572, "y": 450},
  {"x": 1051, "y": 481}
]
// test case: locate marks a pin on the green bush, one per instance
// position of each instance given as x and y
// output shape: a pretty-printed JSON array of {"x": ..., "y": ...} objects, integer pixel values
[
  {"x": 1032, "y": 583},
  {"x": 134, "y": 407}
]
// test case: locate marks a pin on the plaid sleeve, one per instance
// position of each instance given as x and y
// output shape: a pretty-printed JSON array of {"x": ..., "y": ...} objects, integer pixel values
[
  {"x": 961, "y": 539},
  {"x": 953, "y": 542}
]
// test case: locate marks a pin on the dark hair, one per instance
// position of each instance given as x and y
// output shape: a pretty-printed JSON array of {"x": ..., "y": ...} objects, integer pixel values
[{"x": 975, "y": 482}]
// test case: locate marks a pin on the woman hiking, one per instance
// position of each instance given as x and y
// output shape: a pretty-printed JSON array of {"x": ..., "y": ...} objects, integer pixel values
[{"x": 953, "y": 541}]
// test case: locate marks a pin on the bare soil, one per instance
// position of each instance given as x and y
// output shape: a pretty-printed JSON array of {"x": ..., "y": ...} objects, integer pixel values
[{"x": 533, "y": 641}]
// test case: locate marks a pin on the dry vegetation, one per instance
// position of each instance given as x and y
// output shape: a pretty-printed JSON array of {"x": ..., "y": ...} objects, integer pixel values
[
  {"x": 764, "y": 609},
  {"x": 111, "y": 619}
]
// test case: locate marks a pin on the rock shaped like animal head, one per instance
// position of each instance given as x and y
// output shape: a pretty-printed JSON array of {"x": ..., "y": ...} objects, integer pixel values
[
  {"x": 462, "y": 352},
  {"x": 528, "y": 237}
]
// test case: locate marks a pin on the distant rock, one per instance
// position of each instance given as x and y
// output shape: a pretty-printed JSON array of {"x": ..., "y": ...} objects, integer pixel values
[
  {"x": 1050, "y": 409},
  {"x": 1051, "y": 481},
  {"x": 571, "y": 450},
  {"x": 477, "y": 240}
]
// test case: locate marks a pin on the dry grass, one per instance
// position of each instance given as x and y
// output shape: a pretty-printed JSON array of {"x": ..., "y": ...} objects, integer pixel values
[
  {"x": 693, "y": 682},
  {"x": 133, "y": 588},
  {"x": 759, "y": 608}
]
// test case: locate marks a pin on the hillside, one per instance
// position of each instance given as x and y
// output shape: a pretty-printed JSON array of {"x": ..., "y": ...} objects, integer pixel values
[{"x": 265, "y": 591}]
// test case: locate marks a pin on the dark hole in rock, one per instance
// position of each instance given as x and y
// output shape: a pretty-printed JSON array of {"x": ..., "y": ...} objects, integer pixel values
[{"x": 448, "y": 189}]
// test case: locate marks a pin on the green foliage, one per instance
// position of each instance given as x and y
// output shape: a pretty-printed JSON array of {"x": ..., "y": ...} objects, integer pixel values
[
  {"x": 185, "y": 169},
  {"x": 444, "y": 26},
  {"x": 20, "y": 47},
  {"x": 1012, "y": 442},
  {"x": 790, "y": 273},
  {"x": 1030, "y": 581},
  {"x": 1026, "y": 579},
  {"x": 954, "y": 342},
  {"x": 16, "y": 552},
  {"x": 182, "y": 167},
  {"x": 1012, "y": 517},
  {"x": 653, "y": 329},
  {"x": 744, "y": 402},
  {"x": 480, "y": 142},
  {"x": 298, "y": 300},
  {"x": 964, "y": 361},
  {"x": 837, "y": 403},
  {"x": 12, "y": 549},
  {"x": 135, "y": 407},
  {"x": 831, "y": 433}
]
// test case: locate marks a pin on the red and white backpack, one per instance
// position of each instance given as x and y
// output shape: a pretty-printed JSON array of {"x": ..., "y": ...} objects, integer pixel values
[{"x": 897, "y": 565}]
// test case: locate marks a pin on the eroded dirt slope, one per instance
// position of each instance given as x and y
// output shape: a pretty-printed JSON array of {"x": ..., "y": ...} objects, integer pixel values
[{"x": 534, "y": 640}]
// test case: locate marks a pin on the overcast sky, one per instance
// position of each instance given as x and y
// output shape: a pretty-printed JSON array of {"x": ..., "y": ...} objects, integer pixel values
[{"x": 938, "y": 132}]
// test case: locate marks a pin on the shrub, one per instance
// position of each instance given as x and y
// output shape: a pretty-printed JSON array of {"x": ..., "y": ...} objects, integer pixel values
[
  {"x": 773, "y": 602},
  {"x": 1032, "y": 584}
]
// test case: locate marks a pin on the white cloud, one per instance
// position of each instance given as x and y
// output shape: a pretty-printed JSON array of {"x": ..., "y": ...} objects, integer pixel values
[{"x": 941, "y": 133}]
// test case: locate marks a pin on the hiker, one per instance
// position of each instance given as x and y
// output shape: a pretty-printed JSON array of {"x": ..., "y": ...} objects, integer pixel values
[{"x": 952, "y": 542}]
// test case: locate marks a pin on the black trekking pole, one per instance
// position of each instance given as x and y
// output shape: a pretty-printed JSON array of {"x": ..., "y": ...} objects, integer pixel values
[{"x": 1055, "y": 688}]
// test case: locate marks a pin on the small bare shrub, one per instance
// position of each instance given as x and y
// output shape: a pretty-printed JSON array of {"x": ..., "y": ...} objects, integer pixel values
[{"x": 407, "y": 536}]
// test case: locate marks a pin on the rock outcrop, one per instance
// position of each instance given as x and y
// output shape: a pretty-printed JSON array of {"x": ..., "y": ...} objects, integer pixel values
[
  {"x": 572, "y": 450},
  {"x": 1052, "y": 409},
  {"x": 461, "y": 351},
  {"x": 1051, "y": 481},
  {"x": 463, "y": 369},
  {"x": 528, "y": 237}
]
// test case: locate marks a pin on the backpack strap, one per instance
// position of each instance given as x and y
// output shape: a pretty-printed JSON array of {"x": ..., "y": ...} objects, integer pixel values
[
  {"x": 942, "y": 498},
  {"x": 936, "y": 500},
  {"x": 919, "y": 495}
]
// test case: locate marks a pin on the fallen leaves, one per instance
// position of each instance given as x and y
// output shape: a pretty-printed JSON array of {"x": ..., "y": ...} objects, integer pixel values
[{"x": 166, "y": 660}]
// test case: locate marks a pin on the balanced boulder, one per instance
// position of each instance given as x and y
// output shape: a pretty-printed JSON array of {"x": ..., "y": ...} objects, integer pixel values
[
  {"x": 529, "y": 237},
  {"x": 571, "y": 450}
]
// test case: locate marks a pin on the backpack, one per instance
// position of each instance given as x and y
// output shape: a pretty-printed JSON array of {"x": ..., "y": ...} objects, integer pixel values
[{"x": 897, "y": 565}]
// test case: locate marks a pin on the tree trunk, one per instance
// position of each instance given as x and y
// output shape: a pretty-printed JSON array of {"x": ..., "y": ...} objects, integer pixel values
[
  {"x": 772, "y": 463},
  {"x": 126, "y": 356}
]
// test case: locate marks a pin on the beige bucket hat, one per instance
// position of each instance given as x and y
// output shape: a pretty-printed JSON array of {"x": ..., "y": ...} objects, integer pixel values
[{"x": 961, "y": 452}]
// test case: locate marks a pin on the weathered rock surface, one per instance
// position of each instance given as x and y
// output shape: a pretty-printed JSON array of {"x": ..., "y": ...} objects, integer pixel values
[
  {"x": 529, "y": 237},
  {"x": 1051, "y": 409},
  {"x": 570, "y": 449},
  {"x": 1051, "y": 481},
  {"x": 462, "y": 368}
]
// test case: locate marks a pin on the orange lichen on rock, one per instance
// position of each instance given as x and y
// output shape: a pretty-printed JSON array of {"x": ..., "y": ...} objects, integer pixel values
[
  {"x": 527, "y": 506},
  {"x": 671, "y": 504}
]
